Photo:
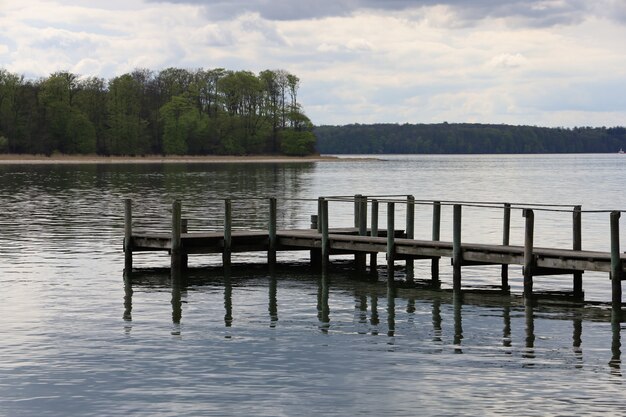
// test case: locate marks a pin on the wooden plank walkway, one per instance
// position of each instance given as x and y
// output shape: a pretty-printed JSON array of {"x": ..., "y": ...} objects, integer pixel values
[
  {"x": 346, "y": 240},
  {"x": 360, "y": 241}
]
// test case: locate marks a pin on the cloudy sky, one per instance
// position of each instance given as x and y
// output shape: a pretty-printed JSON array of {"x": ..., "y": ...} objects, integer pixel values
[{"x": 535, "y": 62}]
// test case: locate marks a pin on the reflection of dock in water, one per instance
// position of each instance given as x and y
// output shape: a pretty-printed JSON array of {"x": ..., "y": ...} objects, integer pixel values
[
  {"x": 361, "y": 239},
  {"x": 379, "y": 308}
]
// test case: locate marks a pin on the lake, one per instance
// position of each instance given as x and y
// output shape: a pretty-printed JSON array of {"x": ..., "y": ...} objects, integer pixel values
[{"x": 79, "y": 339}]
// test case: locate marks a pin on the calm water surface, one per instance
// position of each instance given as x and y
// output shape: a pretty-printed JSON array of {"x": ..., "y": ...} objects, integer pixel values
[{"x": 77, "y": 339}]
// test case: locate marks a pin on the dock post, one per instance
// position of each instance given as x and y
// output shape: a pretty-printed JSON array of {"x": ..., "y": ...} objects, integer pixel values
[
  {"x": 410, "y": 234},
  {"x": 616, "y": 265},
  {"x": 577, "y": 245},
  {"x": 271, "y": 251},
  {"x": 506, "y": 240},
  {"x": 128, "y": 235},
  {"x": 357, "y": 209},
  {"x": 457, "y": 254},
  {"x": 390, "y": 243},
  {"x": 316, "y": 258},
  {"x": 374, "y": 233},
  {"x": 529, "y": 261},
  {"x": 228, "y": 224},
  {"x": 434, "y": 264},
  {"x": 184, "y": 257},
  {"x": 325, "y": 238},
  {"x": 360, "y": 258},
  {"x": 175, "y": 252},
  {"x": 319, "y": 214}
]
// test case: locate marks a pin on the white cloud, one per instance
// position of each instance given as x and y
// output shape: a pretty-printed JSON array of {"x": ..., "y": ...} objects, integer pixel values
[
  {"x": 358, "y": 61},
  {"x": 507, "y": 60}
]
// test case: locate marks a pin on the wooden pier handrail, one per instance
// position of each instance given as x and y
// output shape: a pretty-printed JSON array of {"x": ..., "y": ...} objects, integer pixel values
[{"x": 322, "y": 241}]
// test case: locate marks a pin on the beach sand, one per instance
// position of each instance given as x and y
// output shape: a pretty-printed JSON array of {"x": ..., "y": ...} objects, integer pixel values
[{"x": 15, "y": 159}]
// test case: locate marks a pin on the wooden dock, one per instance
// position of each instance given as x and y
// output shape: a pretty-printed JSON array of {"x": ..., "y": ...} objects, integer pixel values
[{"x": 361, "y": 241}]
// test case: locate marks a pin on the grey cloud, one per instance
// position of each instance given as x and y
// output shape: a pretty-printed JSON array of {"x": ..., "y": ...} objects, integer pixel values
[{"x": 533, "y": 12}]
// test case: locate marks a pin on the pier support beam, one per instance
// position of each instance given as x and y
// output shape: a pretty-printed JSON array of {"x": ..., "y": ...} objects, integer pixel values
[
  {"x": 410, "y": 234},
  {"x": 228, "y": 224},
  {"x": 175, "y": 250},
  {"x": 271, "y": 250},
  {"x": 616, "y": 266},
  {"x": 319, "y": 214},
  {"x": 436, "y": 234},
  {"x": 529, "y": 261},
  {"x": 316, "y": 254},
  {"x": 374, "y": 233},
  {"x": 128, "y": 235},
  {"x": 577, "y": 244},
  {"x": 361, "y": 258},
  {"x": 357, "y": 209},
  {"x": 457, "y": 255},
  {"x": 506, "y": 239},
  {"x": 184, "y": 257},
  {"x": 325, "y": 238},
  {"x": 391, "y": 249}
]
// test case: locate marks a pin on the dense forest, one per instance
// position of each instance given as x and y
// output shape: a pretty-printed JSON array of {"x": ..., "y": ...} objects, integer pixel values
[
  {"x": 171, "y": 112},
  {"x": 464, "y": 138}
]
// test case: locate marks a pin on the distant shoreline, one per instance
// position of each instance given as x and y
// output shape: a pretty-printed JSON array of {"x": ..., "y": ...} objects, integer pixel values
[{"x": 18, "y": 159}]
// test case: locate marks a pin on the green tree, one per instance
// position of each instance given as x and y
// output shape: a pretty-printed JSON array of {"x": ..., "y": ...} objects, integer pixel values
[
  {"x": 127, "y": 133},
  {"x": 297, "y": 143},
  {"x": 181, "y": 120},
  {"x": 10, "y": 85},
  {"x": 80, "y": 134},
  {"x": 91, "y": 99}
]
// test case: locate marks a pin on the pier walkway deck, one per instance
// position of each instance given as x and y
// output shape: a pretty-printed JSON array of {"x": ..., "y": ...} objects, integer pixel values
[{"x": 322, "y": 242}]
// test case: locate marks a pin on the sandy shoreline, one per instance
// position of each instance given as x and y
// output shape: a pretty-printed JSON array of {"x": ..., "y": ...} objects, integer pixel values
[{"x": 9, "y": 159}]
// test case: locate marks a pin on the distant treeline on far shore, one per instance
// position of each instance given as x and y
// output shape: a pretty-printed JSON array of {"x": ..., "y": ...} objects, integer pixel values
[
  {"x": 465, "y": 138},
  {"x": 169, "y": 112}
]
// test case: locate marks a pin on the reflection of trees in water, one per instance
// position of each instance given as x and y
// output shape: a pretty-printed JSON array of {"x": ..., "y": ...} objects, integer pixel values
[{"x": 64, "y": 202}]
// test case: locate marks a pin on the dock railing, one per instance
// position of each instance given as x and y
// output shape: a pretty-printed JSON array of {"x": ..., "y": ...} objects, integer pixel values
[{"x": 369, "y": 208}]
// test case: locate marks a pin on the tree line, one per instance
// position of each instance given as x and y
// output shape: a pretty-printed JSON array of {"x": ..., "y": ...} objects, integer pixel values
[
  {"x": 463, "y": 138},
  {"x": 171, "y": 112}
]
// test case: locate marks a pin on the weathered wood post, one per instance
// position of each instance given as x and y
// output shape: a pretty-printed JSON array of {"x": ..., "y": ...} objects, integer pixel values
[
  {"x": 363, "y": 216},
  {"x": 410, "y": 234},
  {"x": 361, "y": 258},
  {"x": 357, "y": 209},
  {"x": 577, "y": 244},
  {"x": 374, "y": 233},
  {"x": 184, "y": 257},
  {"x": 506, "y": 240},
  {"x": 434, "y": 264},
  {"x": 390, "y": 243},
  {"x": 616, "y": 264},
  {"x": 319, "y": 214},
  {"x": 271, "y": 250},
  {"x": 457, "y": 254},
  {"x": 175, "y": 250},
  {"x": 228, "y": 224},
  {"x": 316, "y": 257},
  {"x": 128, "y": 235},
  {"x": 325, "y": 237},
  {"x": 529, "y": 261}
]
